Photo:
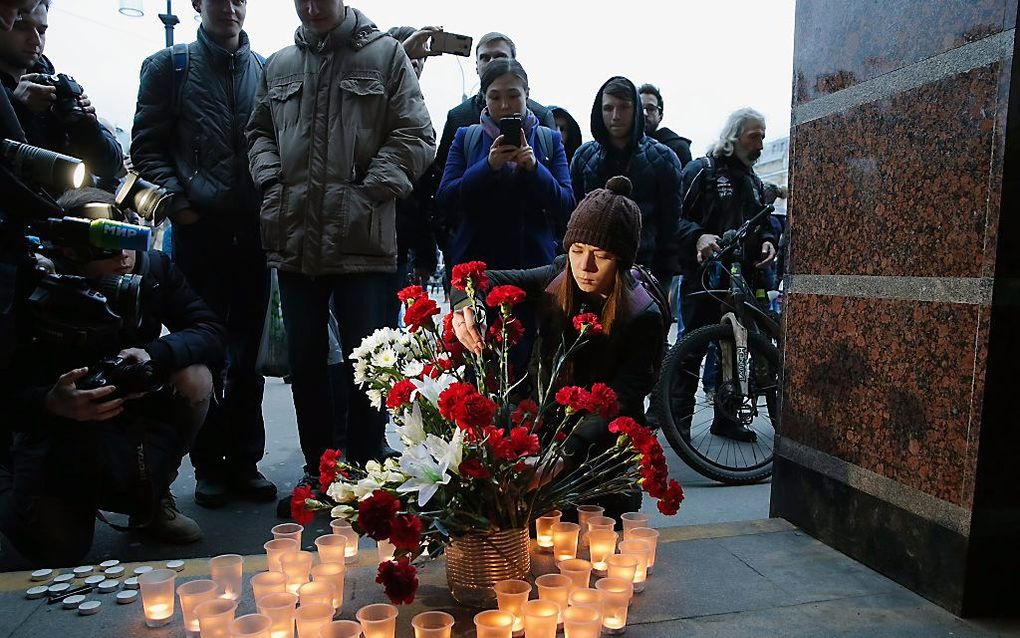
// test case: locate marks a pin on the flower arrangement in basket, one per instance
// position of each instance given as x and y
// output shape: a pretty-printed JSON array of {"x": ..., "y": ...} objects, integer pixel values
[{"x": 475, "y": 462}]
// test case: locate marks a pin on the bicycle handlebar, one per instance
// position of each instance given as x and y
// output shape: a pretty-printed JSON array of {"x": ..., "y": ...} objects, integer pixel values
[{"x": 731, "y": 238}]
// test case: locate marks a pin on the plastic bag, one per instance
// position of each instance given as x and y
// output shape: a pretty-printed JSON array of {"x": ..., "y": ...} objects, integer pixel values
[{"x": 272, "y": 361}]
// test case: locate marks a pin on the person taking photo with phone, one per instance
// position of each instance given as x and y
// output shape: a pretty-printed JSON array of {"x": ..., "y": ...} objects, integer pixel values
[{"x": 506, "y": 190}]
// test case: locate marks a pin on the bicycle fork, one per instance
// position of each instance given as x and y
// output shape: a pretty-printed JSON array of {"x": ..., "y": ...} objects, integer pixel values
[{"x": 736, "y": 354}]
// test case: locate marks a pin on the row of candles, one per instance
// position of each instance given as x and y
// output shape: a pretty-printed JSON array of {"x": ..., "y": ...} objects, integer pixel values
[{"x": 565, "y": 600}]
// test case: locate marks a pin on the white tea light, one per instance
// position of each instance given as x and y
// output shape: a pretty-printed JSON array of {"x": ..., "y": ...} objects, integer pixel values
[
  {"x": 84, "y": 570},
  {"x": 59, "y": 588},
  {"x": 107, "y": 564},
  {"x": 89, "y": 607},
  {"x": 108, "y": 586},
  {"x": 176, "y": 565},
  {"x": 42, "y": 574},
  {"x": 131, "y": 583},
  {"x": 127, "y": 596},
  {"x": 114, "y": 571},
  {"x": 73, "y": 601},
  {"x": 144, "y": 569},
  {"x": 36, "y": 592},
  {"x": 95, "y": 579},
  {"x": 63, "y": 578}
]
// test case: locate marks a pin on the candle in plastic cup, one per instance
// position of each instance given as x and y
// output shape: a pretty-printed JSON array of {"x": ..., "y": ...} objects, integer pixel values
[
  {"x": 157, "y": 596},
  {"x": 633, "y": 519},
  {"x": 311, "y": 618},
  {"x": 351, "y": 550},
  {"x": 215, "y": 616},
  {"x": 543, "y": 530},
  {"x": 332, "y": 548},
  {"x": 280, "y": 609},
  {"x": 616, "y": 594},
  {"x": 332, "y": 573},
  {"x": 584, "y": 514},
  {"x": 565, "y": 540},
  {"x": 226, "y": 570},
  {"x": 582, "y": 622},
  {"x": 266, "y": 583},
  {"x": 432, "y": 624},
  {"x": 622, "y": 566},
  {"x": 601, "y": 522},
  {"x": 378, "y": 621},
  {"x": 288, "y": 530},
  {"x": 586, "y": 598},
  {"x": 316, "y": 592},
  {"x": 494, "y": 624},
  {"x": 296, "y": 567},
  {"x": 578, "y": 571},
  {"x": 341, "y": 629},
  {"x": 510, "y": 596},
  {"x": 649, "y": 536},
  {"x": 540, "y": 618},
  {"x": 640, "y": 550},
  {"x": 191, "y": 595},
  {"x": 601, "y": 545},
  {"x": 338, "y": 524},
  {"x": 554, "y": 588},
  {"x": 386, "y": 551},
  {"x": 251, "y": 626},
  {"x": 275, "y": 549}
]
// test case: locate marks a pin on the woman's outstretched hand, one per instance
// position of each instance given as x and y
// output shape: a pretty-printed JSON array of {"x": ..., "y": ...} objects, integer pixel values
[{"x": 466, "y": 329}]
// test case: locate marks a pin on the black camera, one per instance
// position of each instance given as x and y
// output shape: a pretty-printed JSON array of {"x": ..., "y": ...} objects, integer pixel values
[
  {"x": 129, "y": 378},
  {"x": 69, "y": 93},
  {"x": 145, "y": 198}
]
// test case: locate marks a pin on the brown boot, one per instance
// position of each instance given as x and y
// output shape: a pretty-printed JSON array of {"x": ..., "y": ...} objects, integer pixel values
[{"x": 170, "y": 526}]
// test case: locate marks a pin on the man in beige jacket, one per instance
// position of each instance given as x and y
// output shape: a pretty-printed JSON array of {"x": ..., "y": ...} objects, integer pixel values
[{"x": 338, "y": 134}]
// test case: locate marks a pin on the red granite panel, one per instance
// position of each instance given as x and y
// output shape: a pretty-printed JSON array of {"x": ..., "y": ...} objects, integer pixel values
[
  {"x": 899, "y": 186},
  {"x": 839, "y": 44},
  {"x": 891, "y": 386}
]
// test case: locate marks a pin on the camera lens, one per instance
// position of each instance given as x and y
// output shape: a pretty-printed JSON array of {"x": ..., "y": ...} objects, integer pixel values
[{"x": 124, "y": 296}]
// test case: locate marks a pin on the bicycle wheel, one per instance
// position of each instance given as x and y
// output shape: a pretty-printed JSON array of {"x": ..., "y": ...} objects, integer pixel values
[{"x": 715, "y": 457}]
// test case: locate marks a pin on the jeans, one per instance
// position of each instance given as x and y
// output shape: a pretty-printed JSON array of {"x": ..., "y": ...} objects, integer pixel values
[
  {"x": 228, "y": 270},
  {"x": 361, "y": 304}
]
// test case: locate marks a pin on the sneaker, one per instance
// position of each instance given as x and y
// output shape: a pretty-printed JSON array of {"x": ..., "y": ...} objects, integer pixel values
[
  {"x": 253, "y": 485},
  {"x": 283, "y": 506},
  {"x": 735, "y": 432},
  {"x": 211, "y": 492},
  {"x": 170, "y": 526}
]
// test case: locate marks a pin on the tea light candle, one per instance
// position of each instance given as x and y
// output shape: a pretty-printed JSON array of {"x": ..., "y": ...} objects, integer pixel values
[
  {"x": 192, "y": 594},
  {"x": 494, "y": 624},
  {"x": 543, "y": 530},
  {"x": 578, "y": 571},
  {"x": 275, "y": 549},
  {"x": 296, "y": 566},
  {"x": 582, "y": 622},
  {"x": 332, "y": 573},
  {"x": 640, "y": 550},
  {"x": 332, "y": 548},
  {"x": 622, "y": 566},
  {"x": 586, "y": 598},
  {"x": 226, "y": 571},
  {"x": 555, "y": 588},
  {"x": 279, "y": 608},
  {"x": 633, "y": 519},
  {"x": 341, "y": 629},
  {"x": 540, "y": 618},
  {"x": 338, "y": 525},
  {"x": 601, "y": 522},
  {"x": 510, "y": 596},
  {"x": 316, "y": 592},
  {"x": 312, "y": 617},
  {"x": 432, "y": 624},
  {"x": 215, "y": 616},
  {"x": 584, "y": 514},
  {"x": 386, "y": 551},
  {"x": 351, "y": 549},
  {"x": 288, "y": 530},
  {"x": 251, "y": 626},
  {"x": 601, "y": 545},
  {"x": 616, "y": 594},
  {"x": 158, "y": 596},
  {"x": 647, "y": 535},
  {"x": 565, "y": 540},
  {"x": 378, "y": 621},
  {"x": 265, "y": 583}
]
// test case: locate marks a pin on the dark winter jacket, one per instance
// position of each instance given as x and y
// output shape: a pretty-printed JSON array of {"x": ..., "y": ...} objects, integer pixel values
[
  {"x": 414, "y": 230},
  {"x": 87, "y": 140},
  {"x": 679, "y": 145},
  {"x": 654, "y": 171},
  {"x": 512, "y": 218},
  {"x": 573, "y": 131},
  {"x": 194, "y": 146}
]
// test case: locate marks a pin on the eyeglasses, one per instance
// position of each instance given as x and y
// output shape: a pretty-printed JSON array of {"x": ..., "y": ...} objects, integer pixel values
[{"x": 651, "y": 108}]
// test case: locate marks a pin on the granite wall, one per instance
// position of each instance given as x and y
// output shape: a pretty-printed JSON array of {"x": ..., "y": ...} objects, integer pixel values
[{"x": 899, "y": 440}]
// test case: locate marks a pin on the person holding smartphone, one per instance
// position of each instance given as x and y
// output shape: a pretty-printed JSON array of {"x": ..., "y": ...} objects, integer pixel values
[{"x": 505, "y": 190}]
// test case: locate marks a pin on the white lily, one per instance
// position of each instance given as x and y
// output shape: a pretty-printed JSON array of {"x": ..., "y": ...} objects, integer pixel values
[
  {"x": 425, "y": 473},
  {"x": 413, "y": 429},
  {"x": 431, "y": 388},
  {"x": 449, "y": 453}
]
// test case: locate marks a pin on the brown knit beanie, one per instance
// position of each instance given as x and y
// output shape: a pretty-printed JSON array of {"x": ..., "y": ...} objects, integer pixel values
[{"x": 609, "y": 219}]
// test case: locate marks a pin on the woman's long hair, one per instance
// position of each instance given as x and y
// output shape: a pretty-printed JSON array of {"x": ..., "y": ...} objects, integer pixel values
[{"x": 568, "y": 301}]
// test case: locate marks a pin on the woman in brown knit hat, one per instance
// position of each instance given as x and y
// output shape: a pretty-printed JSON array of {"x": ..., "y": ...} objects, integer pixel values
[{"x": 597, "y": 275}]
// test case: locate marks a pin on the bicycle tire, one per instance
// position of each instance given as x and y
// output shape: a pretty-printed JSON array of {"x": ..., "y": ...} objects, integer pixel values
[{"x": 661, "y": 404}]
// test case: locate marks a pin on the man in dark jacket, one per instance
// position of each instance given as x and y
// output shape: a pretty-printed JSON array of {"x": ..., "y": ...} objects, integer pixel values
[
  {"x": 69, "y": 127},
  {"x": 622, "y": 148},
  {"x": 189, "y": 137},
  {"x": 651, "y": 103}
]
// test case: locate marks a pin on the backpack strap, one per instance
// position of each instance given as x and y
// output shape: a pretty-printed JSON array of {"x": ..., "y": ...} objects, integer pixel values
[
  {"x": 471, "y": 138},
  {"x": 181, "y": 61},
  {"x": 260, "y": 60},
  {"x": 544, "y": 141}
]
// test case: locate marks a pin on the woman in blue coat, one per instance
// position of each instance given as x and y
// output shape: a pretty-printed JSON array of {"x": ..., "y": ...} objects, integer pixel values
[{"x": 505, "y": 204}]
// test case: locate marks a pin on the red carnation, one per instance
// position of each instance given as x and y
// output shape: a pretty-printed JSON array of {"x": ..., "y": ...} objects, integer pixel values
[
  {"x": 473, "y": 468},
  {"x": 514, "y": 331},
  {"x": 573, "y": 398},
  {"x": 472, "y": 271},
  {"x": 525, "y": 414},
  {"x": 328, "y": 463},
  {"x": 419, "y": 313},
  {"x": 670, "y": 503},
  {"x": 298, "y": 511},
  {"x": 400, "y": 394},
  {"x": 376, "y": 514},
  {"x": 523, "y": 442},
  {"x": 462, "y": 404},
  {"x": 588, "y": 321},
  {"x": 602, "y": 401},
  {"x": 499, "y": 445},
  {"x": 399, "y": 580},
  {"x": 406, "y": 532},
  {"x": 505, "y": 295},
  {"x": 411, "y": 293}
]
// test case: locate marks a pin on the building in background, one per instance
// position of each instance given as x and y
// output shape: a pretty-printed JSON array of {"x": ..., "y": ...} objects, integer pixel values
[{"x": 774, "y": 166}]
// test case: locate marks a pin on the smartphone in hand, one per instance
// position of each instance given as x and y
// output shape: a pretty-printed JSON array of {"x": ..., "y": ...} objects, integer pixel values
[
  {"x": 510, "y": 129},
  {"x": 451, "y": 43}
]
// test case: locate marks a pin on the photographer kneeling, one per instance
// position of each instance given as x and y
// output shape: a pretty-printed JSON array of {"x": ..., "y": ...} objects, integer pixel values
[{"x": 77, "y": 451}]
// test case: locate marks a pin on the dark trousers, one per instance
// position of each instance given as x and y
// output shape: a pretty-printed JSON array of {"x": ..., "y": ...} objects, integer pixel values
[
  {"x": 228, "y": 270},
  {"x": 361, "y": 304}
]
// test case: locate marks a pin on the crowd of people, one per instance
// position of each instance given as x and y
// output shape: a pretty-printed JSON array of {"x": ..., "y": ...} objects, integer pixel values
[{"x": 321, "y": 162}]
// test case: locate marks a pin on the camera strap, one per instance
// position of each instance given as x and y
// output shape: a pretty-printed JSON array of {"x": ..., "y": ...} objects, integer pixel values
[{"x": 180, "y": 59}]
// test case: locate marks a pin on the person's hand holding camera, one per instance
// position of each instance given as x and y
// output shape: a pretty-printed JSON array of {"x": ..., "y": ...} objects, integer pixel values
[
  {"x": 67, "y": 401},
  {"x": 34, "y": 95},
  {"x": 86, "y": 106},
  {"x": 501, "y": 153}
]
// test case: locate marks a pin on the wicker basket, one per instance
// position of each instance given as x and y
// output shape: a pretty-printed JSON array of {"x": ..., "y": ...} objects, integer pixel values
[{"x": 476, "y": 562}]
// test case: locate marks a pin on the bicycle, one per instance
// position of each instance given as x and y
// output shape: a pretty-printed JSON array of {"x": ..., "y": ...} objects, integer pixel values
[{"x": 747, "y": 378}]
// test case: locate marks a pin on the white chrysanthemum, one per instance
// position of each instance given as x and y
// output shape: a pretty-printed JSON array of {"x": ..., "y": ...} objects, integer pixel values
[
  {"x": 413, "y": 368},
  {"x": 375, "y": 398},
  {"x": 360, "y": 372},
  {"x": 385, "y": 358}
]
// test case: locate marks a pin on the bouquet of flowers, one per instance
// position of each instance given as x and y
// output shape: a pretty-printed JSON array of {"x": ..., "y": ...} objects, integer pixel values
[{"x": 477, "y": 457}]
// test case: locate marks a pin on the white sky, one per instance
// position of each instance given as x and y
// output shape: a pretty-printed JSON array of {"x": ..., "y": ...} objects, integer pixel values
[{"x": 708, "y": 57}]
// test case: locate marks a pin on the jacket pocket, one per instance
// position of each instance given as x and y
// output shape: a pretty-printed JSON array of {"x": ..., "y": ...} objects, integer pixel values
[
  {"x": 364, "y": 98},
  {"x": 271, "y": 220},
  {"x": 285, "y": 101},
  {"x": 369, "y": 227}
]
